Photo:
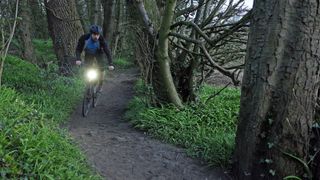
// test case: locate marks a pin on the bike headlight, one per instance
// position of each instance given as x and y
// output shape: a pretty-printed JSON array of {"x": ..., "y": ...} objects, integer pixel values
[{"x": 92, "y": 74}]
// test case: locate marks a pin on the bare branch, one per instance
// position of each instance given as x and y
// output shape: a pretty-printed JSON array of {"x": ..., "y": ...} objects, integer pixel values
[
  {"x": 245, "y": 19},
  {"x": 213, "y": 13},
  {"x": 228, "y": 73},
  {"x": 196, "y": 27},
  {"x": 187, "y": 10},
  {"x": 184, "y": 38},
  {"x": 185, "y": 49}
]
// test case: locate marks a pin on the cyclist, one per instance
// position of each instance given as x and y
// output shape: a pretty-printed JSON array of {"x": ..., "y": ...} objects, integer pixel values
[{"x": 94, "y": 45}]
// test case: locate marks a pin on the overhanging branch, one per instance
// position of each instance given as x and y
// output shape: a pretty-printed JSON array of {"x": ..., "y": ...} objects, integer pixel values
[{"x": 225, "y": 72}]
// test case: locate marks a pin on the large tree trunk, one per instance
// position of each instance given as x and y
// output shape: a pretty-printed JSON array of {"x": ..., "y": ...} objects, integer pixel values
[
  {"x": 279, "y": 90},
  {"x": 25, "y": 30},
  {"x": 65, "y": 29}
]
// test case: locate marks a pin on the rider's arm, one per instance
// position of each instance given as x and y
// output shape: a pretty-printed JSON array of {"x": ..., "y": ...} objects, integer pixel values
[
  {"x": 106, "y": 50},
  {"x": 80, "y": 46}
]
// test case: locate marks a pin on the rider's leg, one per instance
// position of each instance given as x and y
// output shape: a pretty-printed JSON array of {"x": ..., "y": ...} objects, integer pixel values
[
  {"x": 88, "y": 61},
  {"x": 101, "y": 80},
  {"x": 101, "y": 63}
]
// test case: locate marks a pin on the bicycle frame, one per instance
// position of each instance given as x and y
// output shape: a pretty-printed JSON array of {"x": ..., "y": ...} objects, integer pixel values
[{"x": 92, "y": 76}]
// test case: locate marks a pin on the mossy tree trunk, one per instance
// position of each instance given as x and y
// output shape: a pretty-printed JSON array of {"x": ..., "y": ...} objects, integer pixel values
[
  {"x": 163, "y": 56},
  {"x": 162, "y": 81}
]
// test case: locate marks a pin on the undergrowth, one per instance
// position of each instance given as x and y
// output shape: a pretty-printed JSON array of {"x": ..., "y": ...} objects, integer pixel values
[
  {"x": 52, "y": 94},
  {"x": 122, "y": 63},
  {"x": 207, "y": 130},
  {"x": 44, "y": 50},
  {"x": 33, "y": 103},
  {"x": 31, "y": 147}
]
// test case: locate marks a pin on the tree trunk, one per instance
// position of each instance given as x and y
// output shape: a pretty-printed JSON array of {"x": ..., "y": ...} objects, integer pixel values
[
  {"x": 190, "y": 83},
  {"x": 6, "y": 42},
  {"x": 148, "y": 24},
  {"x": 279, "y": 90},
  {"x": 186, "y": 77},
  {"x": 161, "y": 4},
  {"x": 65, "y": 29},
  {"x": 25, "y": 32},
  {"x": 163, "y": 57},
  {"x": 38, "y": 19},
  {"x": 117, "y": 30},
  {"x": 90, "y": 11},
  {"x": 96, "y": 12},
  {"x": 155, "y": 54},
  {"x": 83, "y": 13},
  {"x": 108, "y": 20}
]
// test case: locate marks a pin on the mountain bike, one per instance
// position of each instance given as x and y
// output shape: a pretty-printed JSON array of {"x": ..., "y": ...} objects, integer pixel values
[{"x": 92, "y": 77}]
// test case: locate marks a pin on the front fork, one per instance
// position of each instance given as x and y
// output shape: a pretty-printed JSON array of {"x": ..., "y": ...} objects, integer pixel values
[{"x": 89, "y": 90}]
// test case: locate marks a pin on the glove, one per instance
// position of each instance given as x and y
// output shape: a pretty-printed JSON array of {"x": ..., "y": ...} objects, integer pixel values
[
  {"x": 78, "y": 62},
  {"x": 111, "y": 68}
]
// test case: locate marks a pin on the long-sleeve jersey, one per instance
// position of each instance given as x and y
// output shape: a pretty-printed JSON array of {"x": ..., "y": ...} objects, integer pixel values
[{"x": 103, "y": 47}]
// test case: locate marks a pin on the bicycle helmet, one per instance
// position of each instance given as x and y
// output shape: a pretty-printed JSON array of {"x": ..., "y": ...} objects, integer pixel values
[{"x": 95, "y": 29}]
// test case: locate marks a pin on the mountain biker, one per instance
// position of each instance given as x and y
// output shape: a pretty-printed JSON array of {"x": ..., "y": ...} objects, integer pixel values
[{"x": 94, "y": 45}]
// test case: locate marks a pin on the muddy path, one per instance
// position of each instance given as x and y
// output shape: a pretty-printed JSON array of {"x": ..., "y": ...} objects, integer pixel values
[{"x": 117, "y": 151}]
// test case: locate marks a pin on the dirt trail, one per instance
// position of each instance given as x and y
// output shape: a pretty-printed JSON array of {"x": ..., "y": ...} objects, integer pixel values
[{"x": 119, "y": 152}]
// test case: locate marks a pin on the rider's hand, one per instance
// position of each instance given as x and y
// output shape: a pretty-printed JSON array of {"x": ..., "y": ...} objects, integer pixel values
[
  {"x": 111, "y": 68},
  {"x": 78, "y": 62}
]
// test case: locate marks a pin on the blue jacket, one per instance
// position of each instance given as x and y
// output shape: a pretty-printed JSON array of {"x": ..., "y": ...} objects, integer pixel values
[{"x": 101, "y": 44}]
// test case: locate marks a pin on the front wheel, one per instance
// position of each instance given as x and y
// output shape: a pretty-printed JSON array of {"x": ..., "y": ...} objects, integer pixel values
[
  {"x": 95, "y": 96},
  {"x": 87, "y": 101}
]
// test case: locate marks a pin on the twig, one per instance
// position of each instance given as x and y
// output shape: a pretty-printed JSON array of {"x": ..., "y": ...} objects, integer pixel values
[
  {"x": 217, "y": 93},
  {"x": 305, "y": 165},
  {"x": 185, "y": 49}
]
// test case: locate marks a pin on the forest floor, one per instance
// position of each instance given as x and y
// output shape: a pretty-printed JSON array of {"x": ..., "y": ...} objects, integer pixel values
[{"x": 117, "y": 151}]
